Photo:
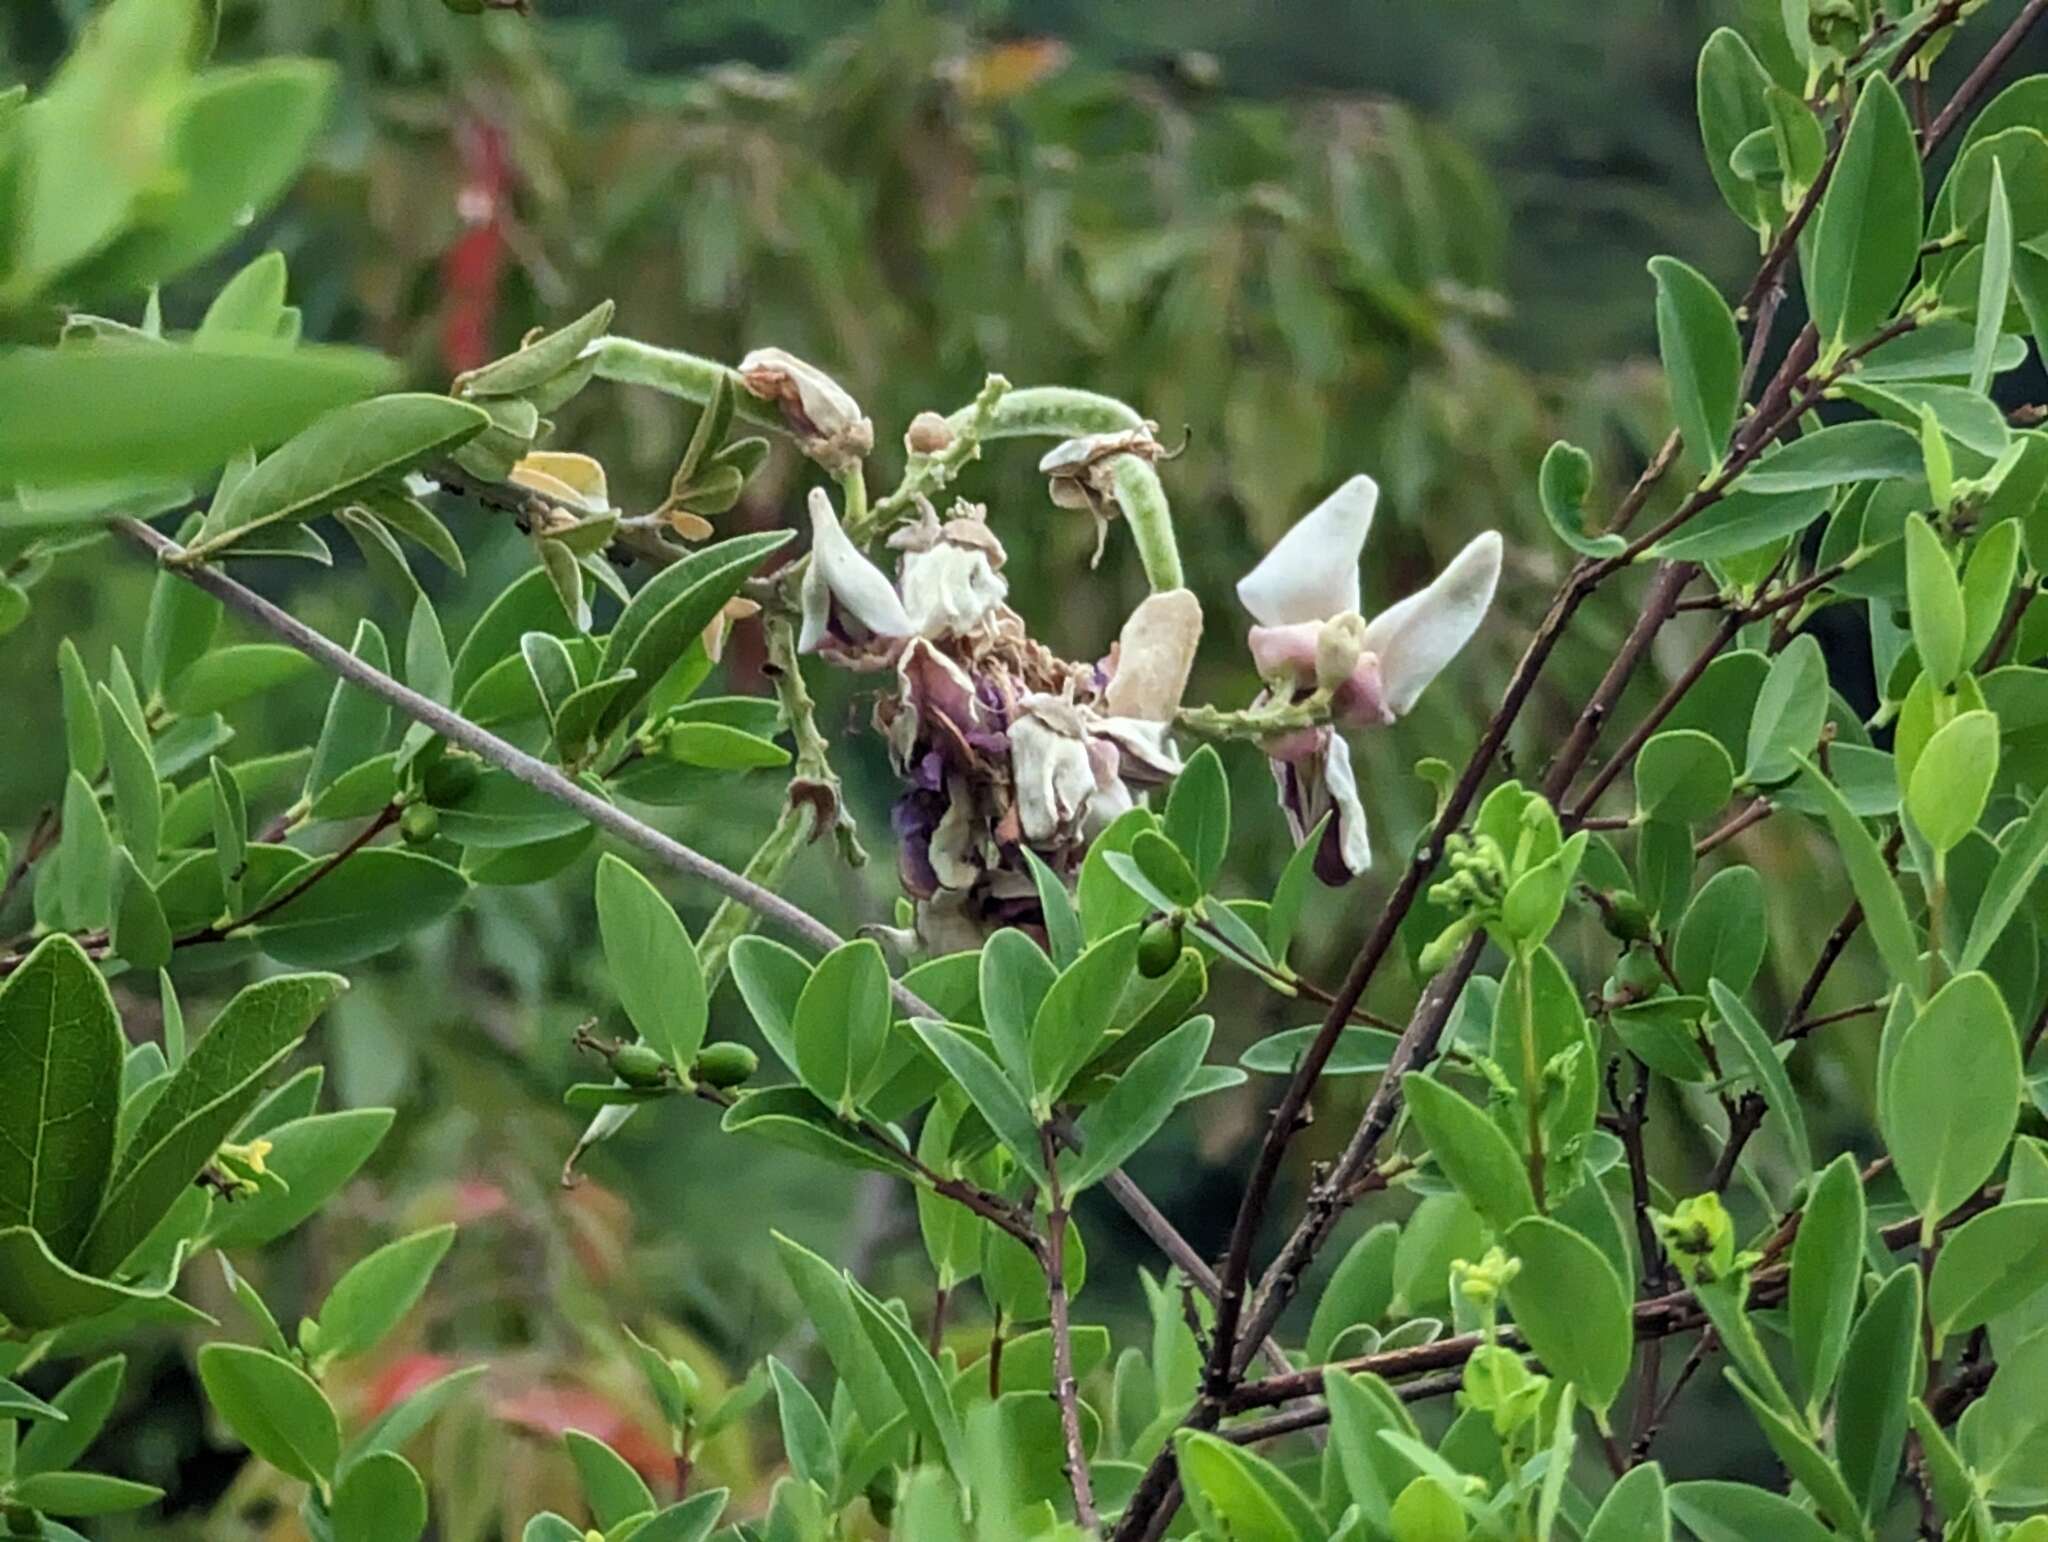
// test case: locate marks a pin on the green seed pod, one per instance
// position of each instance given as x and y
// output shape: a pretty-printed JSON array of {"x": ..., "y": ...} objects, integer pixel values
[
  {"x": 725, "y": 1064},
  {"x": 639, "y": 1065},
  {"x": 1159, "y": 946},
  {"x": 419, "y": 824},
  {"x": 451, "y": 776},
  {"x": 1637, "y": 971}
]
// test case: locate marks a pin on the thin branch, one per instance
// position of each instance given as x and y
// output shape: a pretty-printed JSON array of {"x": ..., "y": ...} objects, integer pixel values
[{"x": 1064, "y": 1391}]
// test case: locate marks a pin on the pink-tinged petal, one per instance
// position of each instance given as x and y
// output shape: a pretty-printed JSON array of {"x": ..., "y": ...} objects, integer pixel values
[
  {"x": 1297, "y": 746},
  {"x": 1417, "y": 637},
  {"x": 1286, "y": 653},
  {"x": 1361, "y": 701},
  {"x": 860, "y": 588},
  {"x": 1312, "y": 574},
  {"x": 1354, "y": 845}
]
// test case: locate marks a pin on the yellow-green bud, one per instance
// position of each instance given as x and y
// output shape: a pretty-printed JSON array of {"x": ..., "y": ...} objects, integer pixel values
[
  {"x": 727, "y": 1063},
  {"x": 639, "y": 1065},
  {"x": 1159, "y": 946},
  {"x": 419, "y": 824}
]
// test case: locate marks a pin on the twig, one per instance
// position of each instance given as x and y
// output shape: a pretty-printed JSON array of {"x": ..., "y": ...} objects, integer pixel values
[
  {"x": 1755, "y": 814},
  {"x": 1064, "y": 1391}
]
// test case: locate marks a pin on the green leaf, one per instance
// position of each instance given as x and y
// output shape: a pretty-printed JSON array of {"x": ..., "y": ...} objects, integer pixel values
[
  {"x": 1702, "y": 357},
  {"x": 1715, "y": 1511},
  {"x": 141, "y": 935},
  {"x": 1284, "y": 913},
  {"x": 498, "y": 811},
  {"x": 1571, "y": 1306},
  {"x": 1866, "y": 241},
  {"x": 1062, "y": 921},
  {"x": 367, "y": 905},
  {"x": 1471, "y": 1151},
  {"x": 1732, "y": 94},
  {"x": 1827, "y": 1264},
  {"x": 1761, "y": 1060},
  {"x": 1563, "y": 484},
  {"x": 274, "y": 1408},
  {"x": 1868, "y": 451},
  {"x": 917, "y": 1379},
  {"x": 1990, "y": 1264},
  {"x": 1934, "y": 602},
  {"x": 1122, "y": 1122},
  {"x": 539, "y": 361},
  {"x": 1363, "y": 1409},
  {"x": 1952, "y": 780},
  {"x": 240, "y": 136},
  {"x": 357, "y": 722},
  {"x": 1233, "y": 1492},
  {"x": 398, "y": 1424},
  {"x": 842, "y": 1024},
  {"x": 251, "y": 302},
  {"x": 1808, "y": 1464},
  {"x": 653, "y": 963},
  {"x": 315, "y": 1155},
  {"x": 82, "y": 740},
  {"x": 827, "y": 1299},
  {"x": 83, "y": 416},
  {"x": 380, "y": 1499},
  {"x": 82, "y": 1493},
  {"x": 1635, "y": 1509},
  {"x": 672, "y": 609},
  {"x": 345, "y": 450},
  {"x": 1107, "y": 902},
  {"x": 61, "y": 1046},
  {"x": 51, "y": 1445},
  {"x": 1884, "y": 908},
  {"x": 771, "y": 979},
  {"x": 180, "y": 629},
  {"x": 806, "y": 1436},
  {"x": 377, "y": 1291},
  {"x": 1077, "y": 1011},
  {"x": 39, "y": 1290},
  {"x": 1683, "y": 774},
  {"x": 224, "y": 676},
  {"x": 85, "y": 859},
  {"x": 998, "y": 1101},
  {"x": 721, "y": 747},
  {"x": 1951, "y": 1096},
  {"x": 1791, "y": 711},
  {"x": 1878, "y": 1375},
  {"x": 1987, "y": 579},
  {"x": 1361, "y": 1288},
  {"x": 1721, "y": 940},
  {"x": 1014, "y": 977},
  {"x": 206, "y": 1097},
  {"x": 1994, "y": 284},
  {"x": 1198, "y": 814},
  {"x": 614, "y": 1490}
]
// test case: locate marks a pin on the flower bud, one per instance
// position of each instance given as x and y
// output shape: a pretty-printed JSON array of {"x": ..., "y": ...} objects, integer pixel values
[
  {"x": 825, "y": 419},
  {"x": 639, "y": 1065},
  {"x": 1159, "y": 946},
  {"x": 928, "y": 434},
  {"x": 1338, "y": 646},
  {"x": 725, "y": 1064},
  {"x": 420, "y": 823},
  {"x": 566, "y": 478}
]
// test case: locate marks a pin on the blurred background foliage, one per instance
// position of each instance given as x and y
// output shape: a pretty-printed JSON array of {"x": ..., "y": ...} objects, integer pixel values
[{"x": 1308, "y": 240}]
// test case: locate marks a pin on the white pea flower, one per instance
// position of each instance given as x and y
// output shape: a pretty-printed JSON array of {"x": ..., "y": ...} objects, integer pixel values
[
  {"x": 825, "y": 418},
  {"x": 1072, "y": 766},
  {"x": 846, "y": 599},
  {"x": 1154, "y": 654},
  {"x": 1304, "y": 595},
  {"x": 950, "y": 573}
]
